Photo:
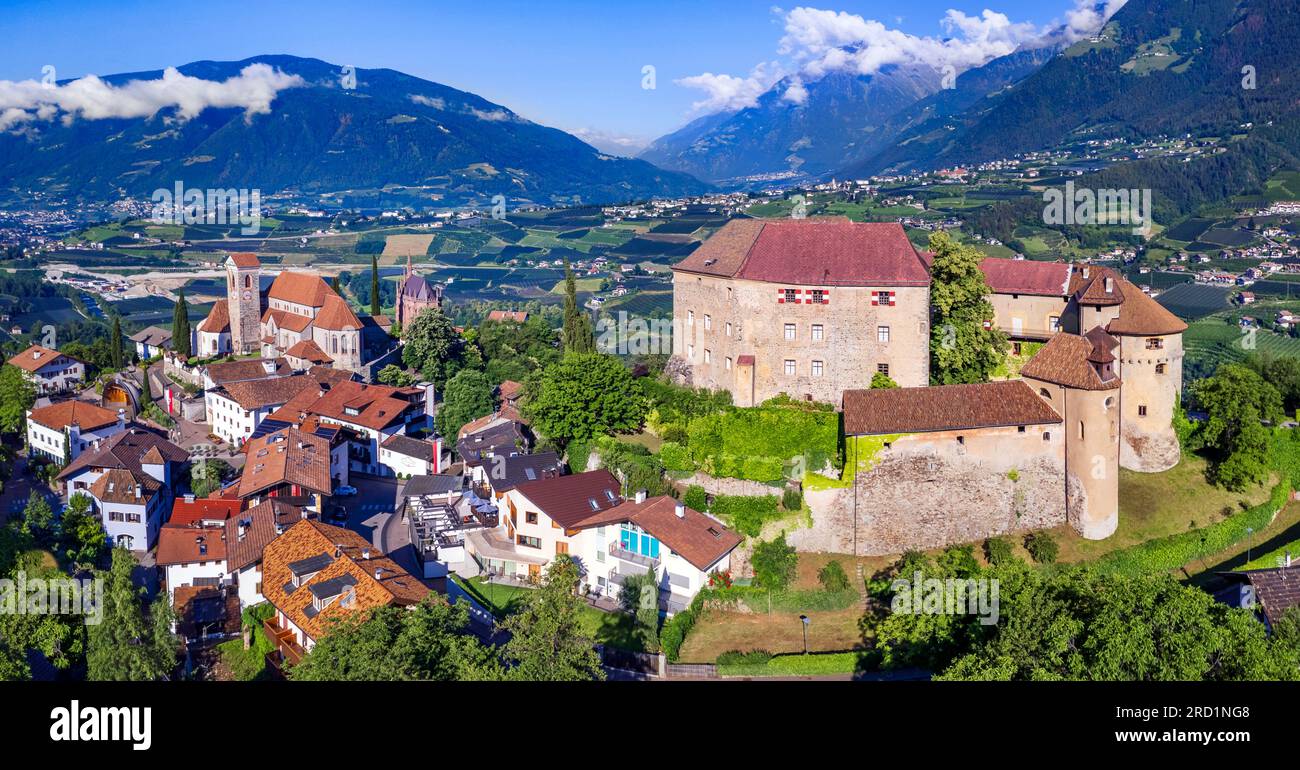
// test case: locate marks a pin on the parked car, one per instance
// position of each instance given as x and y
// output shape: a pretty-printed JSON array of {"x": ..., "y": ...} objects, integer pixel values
[
  {"x": 337, "y": 513},
  {"x": 345, "y": 491}
]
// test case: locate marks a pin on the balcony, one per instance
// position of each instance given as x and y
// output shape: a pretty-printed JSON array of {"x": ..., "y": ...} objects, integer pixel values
[
  {"x": 284, "y": 641},
  {"x": 617, "y": 550}
]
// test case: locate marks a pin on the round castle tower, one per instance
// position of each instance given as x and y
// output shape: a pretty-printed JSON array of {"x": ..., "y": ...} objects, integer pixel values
[{"x": 1077, "y": 376}]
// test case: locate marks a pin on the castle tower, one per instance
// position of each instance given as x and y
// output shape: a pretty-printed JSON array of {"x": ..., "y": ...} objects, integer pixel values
[
  {"x": 1078, "y": 377},
  {"x": 243, "y": 294}
]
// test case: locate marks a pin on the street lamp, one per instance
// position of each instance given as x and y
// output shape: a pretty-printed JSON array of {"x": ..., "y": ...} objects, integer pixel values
[
  {"x": 1249, "y": 531},
  {"x": 805, "y": 620}
]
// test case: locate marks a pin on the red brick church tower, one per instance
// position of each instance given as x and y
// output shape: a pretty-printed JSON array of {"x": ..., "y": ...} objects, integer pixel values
[{"x": 414, "y": 295}]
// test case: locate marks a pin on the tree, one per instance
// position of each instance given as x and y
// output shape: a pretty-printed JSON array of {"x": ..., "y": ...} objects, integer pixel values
[
  {"x": 964, "y": 345},
  {"x": 59, "y": 636},
  {"x": 17, "y": 395},
  {"x": 640, "y": 597},
  {"x": 832, "y": 577},
  {"x": 578, "y": 336},
  {"x": 1282, "y": 373},
  {"x": 181, "y": 327},
  {"x": 546, "y": 638},
  {"x": 467, "y": 396},
  {"x": 207, "y": 474},
  {"x": 584, "y": 396},
  {"x": 395, "y": 376},
  {"x": 1236, "y": 399},
  {"x": 374, "y": 285},
  {"x": 433, "y": 347},
  {"x": 38, "y": 518},
  {"x": 429, "y": 642},
  {"x": 81, "y": 536},
  {"x": 115, "y": 344},
  {"x": 775, "y": 564},
  {"x": 127, "y": 644},
  {"x": 882, "y": 381}
]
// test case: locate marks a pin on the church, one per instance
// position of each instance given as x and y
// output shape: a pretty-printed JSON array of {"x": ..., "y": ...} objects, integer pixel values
[{"x": 414, "y": 295}]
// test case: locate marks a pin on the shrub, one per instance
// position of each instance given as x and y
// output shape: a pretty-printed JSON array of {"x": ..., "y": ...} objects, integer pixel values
[
  {"x": 792, "y": 499},
  {"x": 832, "y": 577},
  {"x": 696, "y": 498},
  {"x": 675, "y": 457},
  {"x": 775, "y": 564},
  {"x": 1042, "y": 547},
  {"x": 998, "y": 551},
  {"x": 750, "y": 658},
  {"x": 746, "y": 514}
]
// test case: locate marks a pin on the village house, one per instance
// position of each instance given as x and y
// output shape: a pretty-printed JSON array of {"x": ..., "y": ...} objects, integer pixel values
[
  {"x": 62, "y": 431},
  {"x": 151, "y": 341},
  {"x": 191, "y": 555},
  {"x": 315, "y": 574},
  {"x": 295, "y": 466},
  {"x": 130, "y": 478},
  {"x": 49, "y": 370}
]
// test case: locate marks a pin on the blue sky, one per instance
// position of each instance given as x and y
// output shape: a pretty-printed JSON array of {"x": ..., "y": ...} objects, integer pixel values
[{"x": 576, "y": 65}]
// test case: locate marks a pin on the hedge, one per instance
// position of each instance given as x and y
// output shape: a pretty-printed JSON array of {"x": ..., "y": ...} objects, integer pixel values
[
  {"x": 1170, "y": 553},
  {"x": 746, "y": 514},
  {"x": 676, "y": 457},
  {"x": 814, "y": 664},
  {"x": 674, "y": 632},
  {"x": 758, "y": 443}
]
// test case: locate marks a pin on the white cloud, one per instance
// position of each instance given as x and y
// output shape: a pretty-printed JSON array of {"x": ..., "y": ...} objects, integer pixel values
[
  {"x": 90, "y": 98},
  {"x": 611, "y": 143},
  {"x": 429, "y": 101},
  {"x": 816, "y": 42},
  {"x": 728, "y": 92},
  {"x": 491, "y": 115}
]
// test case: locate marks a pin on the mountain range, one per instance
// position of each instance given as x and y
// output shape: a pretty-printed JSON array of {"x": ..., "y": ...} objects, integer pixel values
[{"x": 415, "y": 141}]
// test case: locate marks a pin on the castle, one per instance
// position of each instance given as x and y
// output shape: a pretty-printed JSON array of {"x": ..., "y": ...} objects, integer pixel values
[
  {"x": 300, "y": 318},
  {"x": 813, "y": 308}
]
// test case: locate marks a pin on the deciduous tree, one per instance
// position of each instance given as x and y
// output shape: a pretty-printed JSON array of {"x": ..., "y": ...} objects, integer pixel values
[
  {"x": 964, "y": 345},
  {"x": 546, "y": 638},
  {"x": 584, "y": 396}
]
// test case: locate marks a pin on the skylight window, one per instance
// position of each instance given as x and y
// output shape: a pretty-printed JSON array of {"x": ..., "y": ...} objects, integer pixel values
[{"x": 595, "y": 506}]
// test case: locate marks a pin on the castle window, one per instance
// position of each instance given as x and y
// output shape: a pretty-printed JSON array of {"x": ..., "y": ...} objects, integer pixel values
[
  {"x": 708, "y": 322},
  {"x": 817, "y": 368},
  {"x": 1054, "y": 323},
  {"x": 690, "y": 317},
  {"x": 790, "y": 367},
  {"x": 1155, "y": 343},
  {"x": 708, "y": 356},
  {"x": 882, "y": 334},
  {"x": 961, "y": 440},
  {"x": 1081, "y": 429},
  {"x": 883, "y": 369},
  {"x": 690, "y": 352},
  {"x": 818, "y": 297},
  {"x": 728, "y": 327},
  {"x": 728, "y": 293},
  {"x": 1160, "y": 368},
  {"x": 728, "y": 364},
  {"x": 248, "y": 282},
  {"x": 882, "y": 298},
  {"x": 789, "y": 331},
  {"x": 1020, "y": 429},
  {"x": 817, "y": 332},
  {"x": 1142, "y": 410},
  {"x": 787, "y": 296},
  {"x": 1047, "y": 435}
]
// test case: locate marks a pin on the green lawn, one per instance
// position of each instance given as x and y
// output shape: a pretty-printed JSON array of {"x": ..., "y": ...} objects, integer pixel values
[
  {"x": 249, "y": 665},
  {"x": 616, "y": 629}
]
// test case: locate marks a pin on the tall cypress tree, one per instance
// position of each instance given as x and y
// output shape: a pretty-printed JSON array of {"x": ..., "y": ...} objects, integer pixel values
[
  {"x": 577, "y": 335},
  {"x": 181, "y": 327},
  {"x": 374, "y": 285},
  {"x": 115, "y": 344}
]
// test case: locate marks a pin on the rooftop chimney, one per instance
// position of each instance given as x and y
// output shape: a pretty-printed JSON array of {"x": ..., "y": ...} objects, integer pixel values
[
  {"x": 640, "y": 496},
  {"x": 680, "y": 510},
  {"x": 1085, "y": 271},
  {"x": 365, "y": 554},
  {"x": 379, "y": 573}
]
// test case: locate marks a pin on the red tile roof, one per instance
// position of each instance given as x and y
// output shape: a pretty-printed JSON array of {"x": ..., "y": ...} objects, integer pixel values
[
  {"x": 308, "y": 350},
  {"x": 245, "y": 259},
  {"x": 1065, "y": 360},
  {"x": 125, "y": 449},
  {"x": 283, "y": 319},
  {"x": 567, "y": 500},
  {"x": 37, "y": 356},
  {"x": 697, "y": 538},
  {"x": 190, "y": 512},
  {"x": 300, "y": 289},
  {"x": 811, "y": 252},
  {"x": 335, "y": 315},
  {"x": 1026, "y": 276},
  {"x": 182, "y": 544},
  {"x": 944, "y": 407},
  {"x": 218, "y": 319},
  {"x": 84, "y": 415},
  {"x": 288, "y": 456},
  {"x": 517, "y": 316}
]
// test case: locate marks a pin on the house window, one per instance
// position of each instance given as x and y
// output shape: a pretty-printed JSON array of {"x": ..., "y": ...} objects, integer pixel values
[
  {"x": 600, "y": 556},
  {"x": 789, "y": 331},
  {"x": 1160, "y": 368},
  {"x": 883, "y": 369},
  {"x": 531, "y": 517},
  {"x": 882, "y": 334},
  {"x": 1142, "y": 410},
  {"x": 530, "y": 542},
  {"x": 1155, "y": 343},
  {"x": 817, "y": 368},
  {"x": 817, "y": 332},
  {"x": 789, "y": 367},
  {"x": 561, "y": 548}
]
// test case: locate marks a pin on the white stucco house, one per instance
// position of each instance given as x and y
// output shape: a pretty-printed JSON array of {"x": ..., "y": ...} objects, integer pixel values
[
  {"x": 62, "y": 431},
  {"x": 49, "y": 370}
]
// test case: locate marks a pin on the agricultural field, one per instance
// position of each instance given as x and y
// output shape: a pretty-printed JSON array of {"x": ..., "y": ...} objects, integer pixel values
[
  {"x": 1190, "y": 301},
  {"x": 407, "y": 245}
]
